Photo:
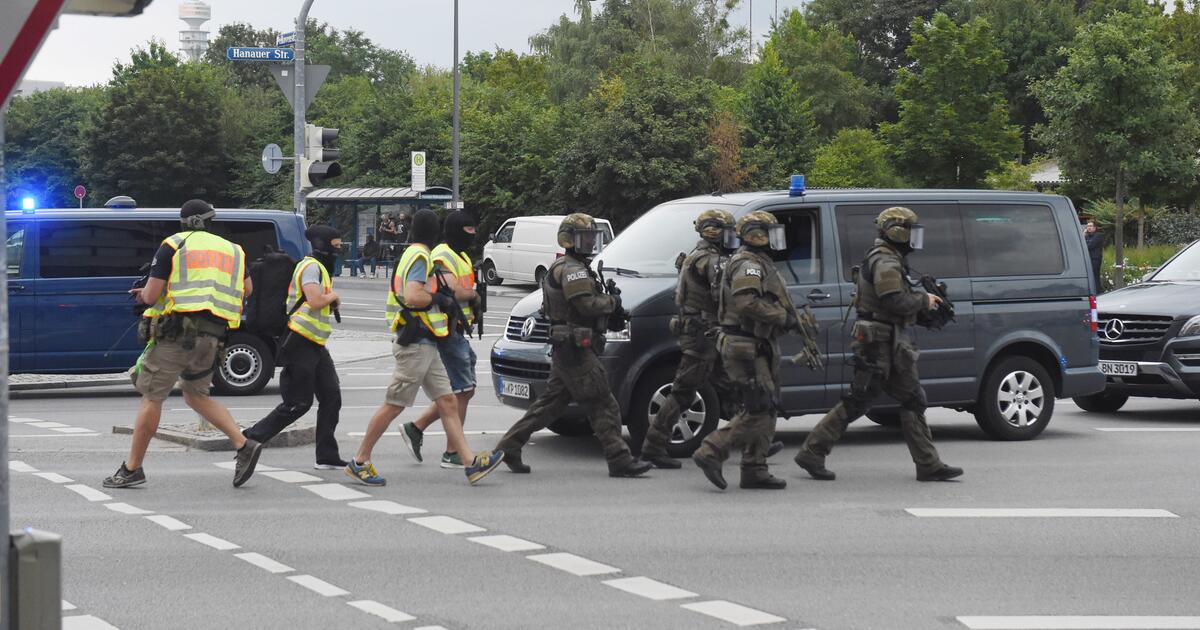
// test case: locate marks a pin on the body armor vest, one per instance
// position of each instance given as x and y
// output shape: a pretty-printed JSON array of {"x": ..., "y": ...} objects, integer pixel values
[
  {"x": 772, "y": 287},
  {"x": 694, "y": 293},
  {"x": 870, "y": 306}
]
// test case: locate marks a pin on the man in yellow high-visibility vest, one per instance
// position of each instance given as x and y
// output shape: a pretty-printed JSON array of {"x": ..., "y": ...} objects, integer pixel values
[{"x": 196, "y": 287}]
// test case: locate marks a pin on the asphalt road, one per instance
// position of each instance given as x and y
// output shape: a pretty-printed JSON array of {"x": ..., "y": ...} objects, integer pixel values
[{"x": 568, "y": 547}]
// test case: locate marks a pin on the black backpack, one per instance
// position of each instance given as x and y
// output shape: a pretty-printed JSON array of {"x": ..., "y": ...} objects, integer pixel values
[{"x": 266, "y": 311}]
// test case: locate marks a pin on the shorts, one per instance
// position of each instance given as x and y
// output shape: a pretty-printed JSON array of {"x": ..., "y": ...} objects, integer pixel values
[
  {"x": 459, "y": 359},
  {"x": 165, "y": 363},
  {"x": 418, "y": 366}
]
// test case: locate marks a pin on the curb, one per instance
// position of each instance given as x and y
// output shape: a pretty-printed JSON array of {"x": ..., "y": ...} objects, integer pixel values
[
  {"x": 188, "y": 435},
  {"x": 65, "y": 384}
]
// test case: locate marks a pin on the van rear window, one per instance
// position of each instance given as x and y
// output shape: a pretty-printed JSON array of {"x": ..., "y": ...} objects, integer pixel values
[
  {"x": 98, "y": 249},
  {"x": 1012, "y": 240},
  {"x": 255, "y": 237}
]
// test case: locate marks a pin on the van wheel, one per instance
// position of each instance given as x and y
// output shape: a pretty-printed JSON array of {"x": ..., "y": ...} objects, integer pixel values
[
  {"x": 538, "y": 275},
  {"x": 571, "y": 427},
  {"x": 884, "y": 417},
  {"x": 1103, "y": 402},
  {"x": 1016, "y": 401},
  {"x": 489, "y": 274},
  {"x": 246, "y": 367},
  {"x": 697, "y": 421}
]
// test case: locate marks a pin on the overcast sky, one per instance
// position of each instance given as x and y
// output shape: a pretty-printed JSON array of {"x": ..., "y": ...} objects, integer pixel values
[{"x": 81, "y": 51}]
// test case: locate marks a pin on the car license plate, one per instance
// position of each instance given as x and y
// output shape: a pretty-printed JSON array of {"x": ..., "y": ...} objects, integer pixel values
[
  {"x": 1118, "y": 368},
  {"x": 515, "y": 389}
]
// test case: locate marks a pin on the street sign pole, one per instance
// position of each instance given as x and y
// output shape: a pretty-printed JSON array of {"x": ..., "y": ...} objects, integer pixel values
[
  {"x": 5, "y": 594},
  {"x": 299, "y": 107},
  {"x": 454, "y": 156}
]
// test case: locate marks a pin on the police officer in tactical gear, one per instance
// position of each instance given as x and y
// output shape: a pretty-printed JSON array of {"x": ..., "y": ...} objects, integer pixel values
[
  {"x": 697, "y": 296},
  {"x": 755, "y": 311},
  {"x": 196, "y": 287},
  {"x": 579, "y": 311},
  {"x": 885, "y": 357}
]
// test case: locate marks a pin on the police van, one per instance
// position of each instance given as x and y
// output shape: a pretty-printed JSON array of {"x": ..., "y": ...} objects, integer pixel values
[
  {"x": 1015, "y": 264},
  {"x": 69, "y": 275}
]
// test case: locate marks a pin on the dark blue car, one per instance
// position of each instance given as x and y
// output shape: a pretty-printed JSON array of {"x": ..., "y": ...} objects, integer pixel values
[{"x": 69, "y": 274}]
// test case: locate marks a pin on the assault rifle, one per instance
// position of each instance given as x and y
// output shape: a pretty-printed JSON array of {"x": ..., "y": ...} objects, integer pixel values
[
  {"x": 944, "y": 313},
  {"x": 808, "y": 329},
  {"x": 481, "y": 288},
  {"x": 619, "y": 319}
]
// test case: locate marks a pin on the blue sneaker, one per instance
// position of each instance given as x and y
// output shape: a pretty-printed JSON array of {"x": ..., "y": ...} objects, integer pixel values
[
  {"x": 484, "y": 464},
  {"x": 364, "y": 473}
]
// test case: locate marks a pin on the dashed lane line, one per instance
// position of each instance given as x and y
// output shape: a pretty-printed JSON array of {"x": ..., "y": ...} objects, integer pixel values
[
  {"x": 48, "y": 425},
  {"x": 1080, "y": 622},
  {"x": 66, "y": 605},
  {"x": 23, "y": 420},
  {"x": 292, "y": 476},
  {"x": 318, "y": 586},
  {"x": 504, "y": 542},
  {"x": 86, "y": 622},
  {"x": 169, "y": 522},
  {"x": 125, "y": 508},
  {"x": 573, "y": 564},
  {"x": 335, "y": 492},
  {"x": 230, "y": 465},
  {"x": 20, "y": 466},
  {"x": 264, "y": 563},
  {"x": 736, "y": 614},
  {"x": 53, "y": 477},
  {"x": 1148, "y": 429},
  {"x": 650, "y": 589},
  {"x": 387, "y": 613},
  {"x": 1040, "y": 513},
  {"x": 387, "y": 507},
  {"x": 73, "y": 430},
  {"x": 88, "y": 492},
  {"x": 446, "y": 525},
  {"x": 220, "y": 544},
  {"x": 52, "y": 435}
]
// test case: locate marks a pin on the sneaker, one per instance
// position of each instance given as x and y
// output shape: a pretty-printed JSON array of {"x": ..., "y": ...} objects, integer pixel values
[
  {"x": 945, "y": 473},
  {"x": 483, "y": 464},
  {"x": 336, "y": 464},
  {"x": 364, "y": 473},
  {"x": 246, "y": 460},
  {"x": 451, "y": 460},
  {"x": 413, "y": 438},
  {"x": 125, "y": 478}
]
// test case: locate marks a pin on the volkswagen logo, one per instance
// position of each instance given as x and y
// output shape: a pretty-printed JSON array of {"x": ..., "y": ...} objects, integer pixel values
[
  {"x": 1114, "y": 329},
  {"x": 527, "y": 328}
]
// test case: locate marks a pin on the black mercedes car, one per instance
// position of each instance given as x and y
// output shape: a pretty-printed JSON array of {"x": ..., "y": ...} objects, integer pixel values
[{"x": 1150, "y": 336}]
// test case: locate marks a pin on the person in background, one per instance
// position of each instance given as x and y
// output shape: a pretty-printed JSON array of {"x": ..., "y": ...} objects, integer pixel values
[
  {"x": 1095, "y": 245},
  {"x": 370, "y": 254}
]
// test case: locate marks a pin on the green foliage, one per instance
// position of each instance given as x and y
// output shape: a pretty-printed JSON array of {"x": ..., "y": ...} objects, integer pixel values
[
  {"x": 780, "y": 128},
  {"x": 1139, "y": 261},
  {"x": 880, "y": 27},
  {"x": 1175, "y": 228},
  {"x": 953, "y": 127},
  {"x": 242, "y": 74},
  {"x": 855, "y": 158},
  {"x": 1014, "y": 175},
  {"x": 44, "y": 138}
]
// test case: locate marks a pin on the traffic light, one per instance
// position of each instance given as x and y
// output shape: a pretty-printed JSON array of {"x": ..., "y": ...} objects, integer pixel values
[{"x": 320, "y": 156}]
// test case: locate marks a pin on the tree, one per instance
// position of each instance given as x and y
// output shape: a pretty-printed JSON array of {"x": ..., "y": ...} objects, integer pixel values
[
  {"x": 1116, "y": 114},
  {"x": 1014, "y": 175},
  {"x": 728, "y": 173},
  {"x": 780, "y": 128},
  {"x": 242, "y": 74},
  {"x": 881, "y": 28},
  {"x": 43, "y": 143},
  {"x": 953, "y": 127},
  {"x": 855, "y": 158}
]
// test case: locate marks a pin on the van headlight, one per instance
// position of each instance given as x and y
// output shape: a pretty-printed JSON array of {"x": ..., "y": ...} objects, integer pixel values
[
  {"x": 1191, "y": 328},
  {"x": 611, "y": 335}
]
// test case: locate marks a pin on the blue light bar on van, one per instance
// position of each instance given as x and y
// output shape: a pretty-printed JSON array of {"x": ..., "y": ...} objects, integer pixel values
[
  {"x": 796, "y": 189},
  {"x": 28, "y": 204}
]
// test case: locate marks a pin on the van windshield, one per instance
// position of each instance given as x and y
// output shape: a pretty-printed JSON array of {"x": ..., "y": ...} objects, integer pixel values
[
  {"x": 652, "y": 243},
  {"x": 1185, "y": 266}
]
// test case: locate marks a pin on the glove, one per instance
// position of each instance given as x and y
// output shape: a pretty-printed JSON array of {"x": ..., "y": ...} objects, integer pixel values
[
  {"x": 443, "y": 301},
  {"x": 793, "y": 322},
  {"x": 616, "y": 303}
]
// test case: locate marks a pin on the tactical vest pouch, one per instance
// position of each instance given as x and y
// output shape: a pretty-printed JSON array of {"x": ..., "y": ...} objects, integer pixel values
[
  {"x": 167, "y": 327},
  {"x": 582, "y": 336},
  {"x": 738, "y": 348},
  {"x": 412, "y": 331},
  {"x": 211, "y": 328},
  {"x": 867, "y": 332},
  {"x": 560, "y": 334},
  {"x": 145, "y": 326},
  {"x": 675, "y": 326}
]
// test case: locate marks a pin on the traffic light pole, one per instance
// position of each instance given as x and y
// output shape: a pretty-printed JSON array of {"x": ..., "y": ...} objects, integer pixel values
[
  {"x": 454, "y": 155},
  {"x": 299, "y": 107},
  {"x": 5, "y": 594}
]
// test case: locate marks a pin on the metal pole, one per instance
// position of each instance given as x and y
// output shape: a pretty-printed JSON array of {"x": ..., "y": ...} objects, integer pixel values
[
  {"x": 751, "y": 31},
  {"x": 298, "y": 93},
  {"x": 454, "y": 156},
  {"x": 5, "y": 594}
]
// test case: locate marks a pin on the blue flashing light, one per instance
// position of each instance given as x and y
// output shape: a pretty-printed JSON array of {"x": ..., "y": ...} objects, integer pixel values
[
  {"x": 28, "y": 204},
  {"x": 796, "y": 189}
]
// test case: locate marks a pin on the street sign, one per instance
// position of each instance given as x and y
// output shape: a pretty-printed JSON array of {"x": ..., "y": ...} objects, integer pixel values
[
  {"x": 418, "y": 171},
  {"x": 23, "y": 26},
  {"x": 285, "y": 39},
  {"x": 80, "y": 192},
  {"x": 272, "y": 158},
  {"x": 260, "y": 54},
  {"x": 314, "y": 78}
]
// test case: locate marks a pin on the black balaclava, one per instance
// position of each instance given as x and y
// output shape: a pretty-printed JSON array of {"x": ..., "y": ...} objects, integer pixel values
[
  {"x": 454, "y": 231},
  {"x": 425, "y": 228},
  {"x": 321, "y": 237},
  {"x": 196, "y": 214}
]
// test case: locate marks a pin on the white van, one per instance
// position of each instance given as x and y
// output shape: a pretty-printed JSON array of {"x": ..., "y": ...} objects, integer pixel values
[{"x": 523, "y": 248}]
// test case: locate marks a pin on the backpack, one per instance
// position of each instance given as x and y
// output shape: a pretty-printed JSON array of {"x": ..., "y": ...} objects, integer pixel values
[{"x": 266, "y": 310}]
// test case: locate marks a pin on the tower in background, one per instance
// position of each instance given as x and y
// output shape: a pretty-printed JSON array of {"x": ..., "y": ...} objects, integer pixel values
[{"x": 193, "y": 40}]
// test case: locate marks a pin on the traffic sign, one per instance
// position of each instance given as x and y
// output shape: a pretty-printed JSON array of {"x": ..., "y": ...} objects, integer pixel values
[
  {"x": 314, "y": 78},
  {"x": 272, "y": 158},
  {"x": 260, "y": 54},
  {"x": 23, "y": 26},
  {"x": 80, "y": 191},
  {"x": 285, "y": 39},
  {"x": 418, "y": 171}
]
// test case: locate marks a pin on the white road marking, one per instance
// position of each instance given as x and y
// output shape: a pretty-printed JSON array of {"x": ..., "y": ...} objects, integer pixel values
[
  {"x": 335, "y": 492},
  {"x": 364, "y": 388},
  {"x": 650, "y": 589},
  {"x": 54, "y": 477},
  {"x": 86, "y": 622},
  {"x": 428, "y": 433},
  {"x": 370, "y": 319},
  {"x": 446, "y": 524},
  {"x": 51, "y": 435},
  {"x": 47, "y": 425},
  {"x": 20, "y": 466},
  {"x": 292, "y": 476},
  {"x": 220, "y": 544},
  {"x": 66, "y": 605},
  {"x": 72, "y": 430},
  {"x": 125, "y": 508},
  {"x": 1079, "y": 622},
  {"x": 1039, "y": 513},
  {"x": 88, "y": 492},
  {"x": 23, "y": 420},
  {"x": 355, "y": 303},
  {"x": 1149, "y": 429},
  {"x": 263, "y": 562},
  {"x": 318, "y": 586},
  {"x": 573, "y": 564},
  {"x": 735, "y": 614},
  {"x": 171, "y": 523},
  {"x": 387, "y": 613},
  {"x": 387, "y": 507},
  {"x": 431, "y": 628},
  {"x": 504, "y": 542},
  {"x": 258, "y": 468}
]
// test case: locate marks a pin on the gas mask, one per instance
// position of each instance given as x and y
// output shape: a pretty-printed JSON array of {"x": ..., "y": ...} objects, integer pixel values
[
  {"x": 321, "y": 238},
  {"x": 588, "y": 242},
  {"x": 905, "y": 236}
]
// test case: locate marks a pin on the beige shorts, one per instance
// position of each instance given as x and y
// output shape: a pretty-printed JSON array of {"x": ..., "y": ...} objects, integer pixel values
[
  {"x": 163, "y": 365},
  {"x": 418, "y": 366}
]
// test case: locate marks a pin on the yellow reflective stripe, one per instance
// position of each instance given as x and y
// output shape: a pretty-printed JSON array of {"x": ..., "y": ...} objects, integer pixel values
[
  {"x": 210, "y": 285},
  {"x": 308, "y": 330},
  {"x": 314, "y": 326}
]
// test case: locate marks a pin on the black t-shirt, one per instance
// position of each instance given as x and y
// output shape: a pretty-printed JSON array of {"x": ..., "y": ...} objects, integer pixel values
[{"x": 160, "y": 267}]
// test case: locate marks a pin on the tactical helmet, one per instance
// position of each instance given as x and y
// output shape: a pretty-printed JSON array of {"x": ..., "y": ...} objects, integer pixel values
[
  {"x": 899, "y": 226},
  {"x": 712, "y": 224},
  {"x": 761, "y": 229},
  {"x": 578, "y": 233},
  {"x": 196, "y": 214}
]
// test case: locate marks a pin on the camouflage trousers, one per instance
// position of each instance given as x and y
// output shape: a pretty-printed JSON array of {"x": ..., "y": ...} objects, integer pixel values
[
  {"x": 575, "y": 375},
  {"x": 700, "y": 362},
  {"x": 882, "y": 365},
  {"x": 753, "y": 367}
]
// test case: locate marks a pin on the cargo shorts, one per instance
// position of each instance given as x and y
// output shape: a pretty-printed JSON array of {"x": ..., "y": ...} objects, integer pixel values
[
  {"x": 418, "y": 367},
  {"x": 166, "y": 362}
]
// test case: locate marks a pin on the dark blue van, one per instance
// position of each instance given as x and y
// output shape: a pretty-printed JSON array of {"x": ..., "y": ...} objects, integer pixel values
[{"x": 69, "y": 275}]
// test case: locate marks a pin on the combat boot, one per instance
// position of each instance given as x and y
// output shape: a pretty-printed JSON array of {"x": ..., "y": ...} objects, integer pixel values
[
  {"x": 711, "y": 469},
  {"x": 761, "y": 480},
  {"x": 662, "y": 461},
  {"x": 945, "y": 473},
  {"x": 815, "y": 467},
  {"x": 635, "y": 468},
  {"x": 512, "y": 459}
]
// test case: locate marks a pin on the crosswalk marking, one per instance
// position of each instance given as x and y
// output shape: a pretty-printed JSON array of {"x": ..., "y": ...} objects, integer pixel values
[
  {"x": 220, "y": 544},
  {"x": 291, "y": 476},
  {"x": 387, "y": 613},
  {"x": 573, "y": 564},
  {"x": 47, "y": 425},
  {"x": 54, "y": 477},
  {"x": 735, "y": 614},
  {"x": 446, "y": 525},
  {"x": 1080, "y": 622},
  {"x": 125, "y": 508},
  {"x": 335, "y": 492},
  {"x": 88, "y": 492},
  {"x": 20, "y": 466},
  {"x": 318, "y": 586},
  {"x": 66, "y": 605},
  {"x": 650, "y": 589},
  {"x": 86, "y": 622},
  {"x": 387, "y": 507},
  {"x": 263, "y": 562},
  {"x": 1148, "y": 429},
  {"x": 171, "y": 523},
  {"x": 504, "y": 542},
  {"x": 1040, "y": 513},
  {"x": 230, "y": 465},
  {"x": 74, "y": 430}
]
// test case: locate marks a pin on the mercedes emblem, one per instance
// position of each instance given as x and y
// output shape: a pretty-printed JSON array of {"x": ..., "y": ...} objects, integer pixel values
[{"x": 1114, "y": 329}]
